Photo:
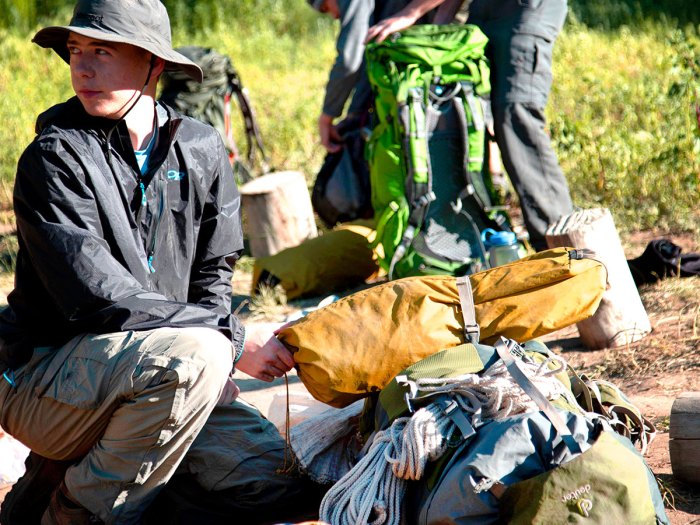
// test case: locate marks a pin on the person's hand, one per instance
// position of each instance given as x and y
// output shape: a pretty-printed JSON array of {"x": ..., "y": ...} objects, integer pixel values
[
  {"x": 330, "y": 138},
  {"x": 229, "y": 393},
  {"x": 264, "y": 356},
  {"x": 381, "y": 30}
]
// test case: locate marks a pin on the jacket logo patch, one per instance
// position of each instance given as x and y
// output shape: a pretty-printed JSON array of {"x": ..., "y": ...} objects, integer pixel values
[{"x": 176, "y": 175}]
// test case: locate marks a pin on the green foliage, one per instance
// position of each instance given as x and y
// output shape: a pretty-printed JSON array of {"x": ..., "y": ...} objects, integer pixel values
[
  {"x": 607, "y": 14},
  {"x": 625, "y": 128},
  {"x": 621, "y": 113}
]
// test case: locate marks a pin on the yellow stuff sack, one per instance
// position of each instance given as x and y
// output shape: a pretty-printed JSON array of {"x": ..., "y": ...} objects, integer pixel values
[
  {"x": 359, "y": 343},
  {"x": 339, "y": 259}
]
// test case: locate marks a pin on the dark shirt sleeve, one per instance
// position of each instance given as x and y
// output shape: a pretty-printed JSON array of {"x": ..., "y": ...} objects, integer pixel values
[
  {"x": 219, "y": 245},
  {"x": 60, "y": 230}
]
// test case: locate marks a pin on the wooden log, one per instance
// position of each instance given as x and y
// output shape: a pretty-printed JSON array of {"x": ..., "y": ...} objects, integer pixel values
[
  {"x": 621, "y": 318},
  {"x": 277, "y": 212},
  {"x": 684, "y": 434}
]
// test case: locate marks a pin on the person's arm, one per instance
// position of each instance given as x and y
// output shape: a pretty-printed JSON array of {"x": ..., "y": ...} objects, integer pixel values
[
  {"x": 405, "y": 18},
  {"x": 219, "y": 244},
  {"x": 355, "y": 16},
  {"x": 263, "y": 356}
]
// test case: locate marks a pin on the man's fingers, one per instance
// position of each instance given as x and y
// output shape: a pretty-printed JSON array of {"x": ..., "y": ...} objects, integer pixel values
[
  {"x": 285, "y": 357},
  {"x": 371, "y": 33}
]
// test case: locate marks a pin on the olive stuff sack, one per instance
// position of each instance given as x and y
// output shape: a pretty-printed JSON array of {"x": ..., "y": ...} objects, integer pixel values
[
  {"x": 348, "y": 260},
  {"x": 426, "y": 151},
  {"x": 211, "y": 103},
  {"x": 562, "y": 464},
  {"x": 356, "y": 345}
]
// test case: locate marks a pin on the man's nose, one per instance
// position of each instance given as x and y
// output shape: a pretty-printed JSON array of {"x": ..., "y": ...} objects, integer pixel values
[{"x": 81, "y": 65}]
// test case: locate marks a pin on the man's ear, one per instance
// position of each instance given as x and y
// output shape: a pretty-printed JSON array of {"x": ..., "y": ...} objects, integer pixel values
[{"x": 158, "y": 66}]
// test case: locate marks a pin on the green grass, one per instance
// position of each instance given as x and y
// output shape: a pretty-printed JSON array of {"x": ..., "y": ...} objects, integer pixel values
[
  {"x": 623, "y": 123},
  {"x": 621, "y": 112}
]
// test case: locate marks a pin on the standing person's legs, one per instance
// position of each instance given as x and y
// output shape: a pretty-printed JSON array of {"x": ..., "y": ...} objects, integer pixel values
[
  {"x": 533, "y": 168},
  {"x": 521, "y": 40},
  {"x": 129, "y": 404}
]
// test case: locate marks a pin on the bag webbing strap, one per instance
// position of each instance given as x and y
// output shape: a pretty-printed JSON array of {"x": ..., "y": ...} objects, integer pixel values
[
  {"x": 505, "y": 348},
  {"x": 476, "y": 117},
  {"x": 416, "y": 125},
  {"x": 466, "y": 301}
]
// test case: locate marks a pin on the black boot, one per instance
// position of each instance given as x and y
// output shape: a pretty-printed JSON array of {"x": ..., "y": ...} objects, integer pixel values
[{"x": 29, "y": 497}]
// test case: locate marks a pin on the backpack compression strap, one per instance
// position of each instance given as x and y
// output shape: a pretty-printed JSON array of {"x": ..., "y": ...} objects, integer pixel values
[
  {"x": 466, "y": 301},
  {"x": 506, "y": 349},
  {"x": 472, "y": 159}
]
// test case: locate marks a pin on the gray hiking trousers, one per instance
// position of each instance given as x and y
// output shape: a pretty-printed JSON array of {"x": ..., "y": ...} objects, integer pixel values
[
  {"x": 521, "y": 39},
  {"x": 135, "y": 408}
]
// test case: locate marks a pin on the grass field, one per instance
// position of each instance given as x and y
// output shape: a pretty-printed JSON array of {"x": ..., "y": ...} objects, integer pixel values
[{"x": 621, "y": 114}]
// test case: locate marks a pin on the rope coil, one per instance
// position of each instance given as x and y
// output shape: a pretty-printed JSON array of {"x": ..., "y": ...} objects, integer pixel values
[{"x": 372, "y": 492}]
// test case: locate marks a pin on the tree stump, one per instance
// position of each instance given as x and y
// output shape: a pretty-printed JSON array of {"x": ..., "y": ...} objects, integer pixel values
[
  {"x": 621, "y": 318},
  {"x": 277, "y": 212},
  {"x": 684, "y": 434}
]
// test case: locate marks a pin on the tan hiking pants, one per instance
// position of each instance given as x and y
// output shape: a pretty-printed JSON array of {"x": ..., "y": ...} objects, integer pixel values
[{"x": 128, "y": 405}]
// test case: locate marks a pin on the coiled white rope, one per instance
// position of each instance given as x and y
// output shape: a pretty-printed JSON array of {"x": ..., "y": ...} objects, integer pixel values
[{"x": 372, "y": 492}]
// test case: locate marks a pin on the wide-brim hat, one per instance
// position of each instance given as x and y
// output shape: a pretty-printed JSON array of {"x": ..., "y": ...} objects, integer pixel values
[{"x": 141, "y": 23}]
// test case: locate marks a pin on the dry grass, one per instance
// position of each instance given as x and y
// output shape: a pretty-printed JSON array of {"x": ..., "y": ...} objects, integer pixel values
[{"x": 673, "y": 347}]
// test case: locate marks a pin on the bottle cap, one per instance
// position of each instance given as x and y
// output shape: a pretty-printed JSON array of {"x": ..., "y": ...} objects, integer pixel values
[{"x": 502, "y": 238}]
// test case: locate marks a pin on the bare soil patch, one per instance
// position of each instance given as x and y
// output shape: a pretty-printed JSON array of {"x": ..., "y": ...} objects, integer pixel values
[{"x": 656, "y": 370}]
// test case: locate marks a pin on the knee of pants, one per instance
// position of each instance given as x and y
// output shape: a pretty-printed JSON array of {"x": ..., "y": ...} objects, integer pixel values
[{"x": 197, "y": 356}]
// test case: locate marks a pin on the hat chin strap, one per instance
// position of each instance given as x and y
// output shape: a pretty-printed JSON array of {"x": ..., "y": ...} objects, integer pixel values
[{"x": 145, "y": 85}]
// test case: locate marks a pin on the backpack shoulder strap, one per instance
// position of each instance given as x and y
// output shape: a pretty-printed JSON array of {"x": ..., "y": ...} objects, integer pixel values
[
  {"x": 416, "y": 121},
  {"x": 252, "y": 130}
]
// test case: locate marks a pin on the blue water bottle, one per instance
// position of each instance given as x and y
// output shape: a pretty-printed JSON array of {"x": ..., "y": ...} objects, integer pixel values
[{"x": 503, "y": 247}]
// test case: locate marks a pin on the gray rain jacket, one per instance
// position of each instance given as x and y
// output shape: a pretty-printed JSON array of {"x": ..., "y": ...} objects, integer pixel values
[{"x": 103, "y": 249}]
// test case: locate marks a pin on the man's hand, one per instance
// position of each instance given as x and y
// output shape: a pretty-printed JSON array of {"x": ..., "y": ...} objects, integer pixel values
[
  {"x": 404, "y": 19},
  {"x": 264, "y": 356},
  {"x": 328, "y": 133},
  {"x": 381, "y": 30}
]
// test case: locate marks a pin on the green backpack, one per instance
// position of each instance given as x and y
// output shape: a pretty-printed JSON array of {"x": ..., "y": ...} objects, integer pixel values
[{"x": 426, "y": 151}]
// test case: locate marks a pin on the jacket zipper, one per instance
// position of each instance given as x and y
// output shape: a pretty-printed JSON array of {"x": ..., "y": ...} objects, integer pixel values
[{"x": 162, "y": 188}]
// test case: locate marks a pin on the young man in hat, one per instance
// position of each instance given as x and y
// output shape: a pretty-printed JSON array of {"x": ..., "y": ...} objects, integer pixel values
[{"x": 118, "y": 344}]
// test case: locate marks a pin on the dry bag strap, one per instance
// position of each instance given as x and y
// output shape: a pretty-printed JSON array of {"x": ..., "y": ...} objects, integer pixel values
[
  {"x": 505, "y": 347},
  {"x": 466, "y": 300}
]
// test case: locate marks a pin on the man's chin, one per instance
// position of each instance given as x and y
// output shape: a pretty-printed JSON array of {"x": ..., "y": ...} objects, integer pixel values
[{"x": 99, "y": 111}]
